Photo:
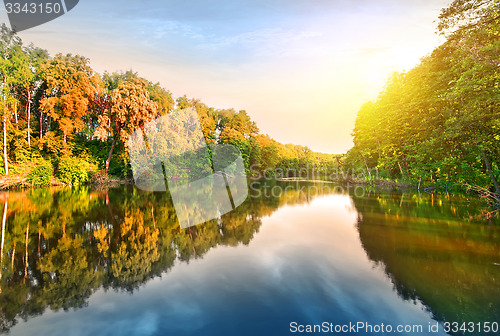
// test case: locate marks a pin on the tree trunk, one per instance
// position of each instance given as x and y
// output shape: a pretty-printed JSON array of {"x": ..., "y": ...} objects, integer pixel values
[
  {"x": 39, "y": 236},
  {"x": 401, "y": 170},
  {"x": 15, "y": 114},
  {"x": 29, "y": 117},
  {"x": 490, "y": 171},
  {"x": 110, "y": 154},
  {"x": 153, "y": 216},
  {"x": 41, "y": 124},
  {"x": 26, "y": 247},
  {"x": 4, "y": 110},
  {"x": 5, "y": 145},
  {"x": 367, "y": 169},
  {"x": 13, "y": 256}
]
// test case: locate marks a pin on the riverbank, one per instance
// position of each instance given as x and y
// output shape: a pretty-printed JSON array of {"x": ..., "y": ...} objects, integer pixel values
[
  {"x": 101, "y": 178},
  {"x": 492, "y": 198},
  {"x": 22, "y": 181},
  {"x": 373, "y": 183}
]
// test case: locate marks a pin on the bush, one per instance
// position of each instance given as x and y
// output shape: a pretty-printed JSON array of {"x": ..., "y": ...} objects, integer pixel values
[
  {"x": 74, "y": 170},
  {"x": 99, "y": 178},
  {"x": 41, "y": 174}
]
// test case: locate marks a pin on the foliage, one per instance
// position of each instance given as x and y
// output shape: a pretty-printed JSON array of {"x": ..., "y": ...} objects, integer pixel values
[
  {"x": 439, "y": 123},
  {"x": 130, "y": 108},
  {"x": 74, "y": 170},
  {"x": 41, "y": 173},
  {"x": 59, "y": 108},
  {"x": 70, "y": 84}
]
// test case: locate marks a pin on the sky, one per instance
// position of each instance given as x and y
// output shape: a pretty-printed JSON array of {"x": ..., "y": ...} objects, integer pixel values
[{"x": 301, "y": 69}]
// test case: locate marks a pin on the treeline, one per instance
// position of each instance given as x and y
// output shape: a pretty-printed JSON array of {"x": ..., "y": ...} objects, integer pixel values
[
  {"x": 63, "y": 122},
  {"x": 439, "y": 123}
]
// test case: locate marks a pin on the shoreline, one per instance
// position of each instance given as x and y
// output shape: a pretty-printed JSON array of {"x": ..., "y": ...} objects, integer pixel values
[
  {"x": 99, "y": 179},
  {"x": 374, "y": 183},
  {"x": 19, "y": 182}
]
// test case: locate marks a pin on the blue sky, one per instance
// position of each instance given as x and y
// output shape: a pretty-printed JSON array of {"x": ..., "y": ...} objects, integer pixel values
[{"x": 301, "y": 69}]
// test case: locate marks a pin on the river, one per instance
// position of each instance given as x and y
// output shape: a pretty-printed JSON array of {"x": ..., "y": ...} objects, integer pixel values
[{"x": 293, "y": 257}]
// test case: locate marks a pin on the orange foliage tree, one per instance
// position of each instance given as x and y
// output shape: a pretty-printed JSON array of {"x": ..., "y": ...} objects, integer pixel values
[{"x": 71, "y": 85}]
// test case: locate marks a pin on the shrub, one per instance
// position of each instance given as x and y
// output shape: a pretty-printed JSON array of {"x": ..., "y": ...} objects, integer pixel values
[
  {"x": 42, "y": 173},
  {"x": 74, "y": 170},
  {"x": 99, "y": 178}
]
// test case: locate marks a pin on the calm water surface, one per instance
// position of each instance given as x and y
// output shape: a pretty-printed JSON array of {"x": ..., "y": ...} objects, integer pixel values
[{"x": 115, "y": 262}]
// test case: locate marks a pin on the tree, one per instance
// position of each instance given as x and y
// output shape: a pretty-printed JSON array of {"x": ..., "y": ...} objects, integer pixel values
[
  {"x": 71, "y": 85},
  {"x": 474, "y": 27},
  {"x": 12, "y": 66},
  {"x": 130, "y": 108},
  {"x": 463, "y": 15},
  {"x": 31, "y": 82}
]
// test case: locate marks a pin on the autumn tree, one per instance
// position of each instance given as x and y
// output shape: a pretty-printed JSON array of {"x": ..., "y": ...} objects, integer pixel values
[
  {"x": 465, "y": 15},
  {"x": 130, "y": 108},
  {"x": 71, "y": 85},
  {"x": 235, "y": 126}
]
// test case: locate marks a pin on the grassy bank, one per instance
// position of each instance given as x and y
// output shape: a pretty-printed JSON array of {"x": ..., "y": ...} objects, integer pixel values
[{"x": 66, "y": 171}]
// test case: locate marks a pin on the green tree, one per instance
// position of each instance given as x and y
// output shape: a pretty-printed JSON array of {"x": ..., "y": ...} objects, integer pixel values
[{"x": 13, "y": 65}]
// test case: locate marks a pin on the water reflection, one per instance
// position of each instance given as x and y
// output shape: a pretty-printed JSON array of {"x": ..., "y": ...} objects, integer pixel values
[
  {"x": 431, "y": 254},
  {"x": 91, "y": 249},
  {"x": 61, "y": 245}
]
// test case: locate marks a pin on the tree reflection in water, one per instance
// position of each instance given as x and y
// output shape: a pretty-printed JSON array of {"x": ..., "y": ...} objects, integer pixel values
[
  {"x": 432, "y": 255},
  {"x": 62, "y": 245}
]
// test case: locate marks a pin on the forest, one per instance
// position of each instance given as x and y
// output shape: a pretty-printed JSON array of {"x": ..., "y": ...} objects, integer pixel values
[
  {"x": 64, "y": 124},
  {"x": 438, "y": 124},
  {"x": 434, "y": 126}
]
